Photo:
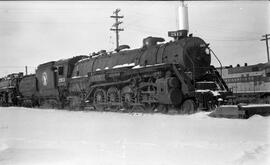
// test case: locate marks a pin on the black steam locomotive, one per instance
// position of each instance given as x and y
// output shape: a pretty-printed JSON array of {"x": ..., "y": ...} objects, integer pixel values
[{"x": 156, "y": 77}]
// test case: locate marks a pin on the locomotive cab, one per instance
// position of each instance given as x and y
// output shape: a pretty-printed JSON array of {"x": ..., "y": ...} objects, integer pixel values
[
  {"x": 53, "y": 80},
  {"x": 64, "y": 68}
]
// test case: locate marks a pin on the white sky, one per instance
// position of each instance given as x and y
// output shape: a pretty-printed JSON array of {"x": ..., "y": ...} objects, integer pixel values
[{"x": 32, "y": 33}]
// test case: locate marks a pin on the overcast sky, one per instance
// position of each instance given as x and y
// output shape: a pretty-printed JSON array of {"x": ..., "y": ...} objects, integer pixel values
[{"x": 32, "y": 33}]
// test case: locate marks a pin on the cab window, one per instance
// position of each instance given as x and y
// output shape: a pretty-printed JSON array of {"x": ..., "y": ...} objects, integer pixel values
[{"x": 61, "y": 71}]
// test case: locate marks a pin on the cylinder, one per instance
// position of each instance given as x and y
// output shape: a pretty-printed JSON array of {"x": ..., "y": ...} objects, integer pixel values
[{"x": 173, "y": 82}]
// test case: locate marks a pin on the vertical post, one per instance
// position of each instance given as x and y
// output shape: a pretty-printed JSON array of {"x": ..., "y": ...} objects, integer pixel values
[
  {"x": 267, "y": 47},
  {"x": 116, "y": 25},
  {"x": 266, "y": 42},
  {"x": 26, "y": 70},
  {"x": 117, "y": 30}
]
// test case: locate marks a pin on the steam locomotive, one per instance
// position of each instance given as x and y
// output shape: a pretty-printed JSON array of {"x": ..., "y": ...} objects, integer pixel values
[{"x": 156, "y": 77}]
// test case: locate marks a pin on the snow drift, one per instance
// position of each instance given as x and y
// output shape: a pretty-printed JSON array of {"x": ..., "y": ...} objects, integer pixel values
[{"x": 35, "y": 136}]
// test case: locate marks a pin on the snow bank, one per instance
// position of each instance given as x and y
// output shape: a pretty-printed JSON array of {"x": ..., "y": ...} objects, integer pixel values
[{"x": 59, "y": 137}]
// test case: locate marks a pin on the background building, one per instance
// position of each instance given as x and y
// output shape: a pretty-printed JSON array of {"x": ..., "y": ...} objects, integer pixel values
[{"x": 249, "y": 83}]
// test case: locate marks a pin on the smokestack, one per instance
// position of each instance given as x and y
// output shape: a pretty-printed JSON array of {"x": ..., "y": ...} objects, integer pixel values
[
  {"x": 182, "y": 29},
  {"x": 183, "y": 17}
]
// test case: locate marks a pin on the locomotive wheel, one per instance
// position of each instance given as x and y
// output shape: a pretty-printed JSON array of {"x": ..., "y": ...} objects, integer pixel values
[
  {"x": 113, "y": 97},
  {"x": 128, "y": 98},
  {"x": 99, "y": 99},
  {"x": 188, "y": 107},
  {"x": 162, "y": 108},
  {"x": 127, "y": 101},
  {"x": 50, "y": 103},
  {"x": 74, "y": 103},
  {"x": 138, "y": 108},
  {"x": 150, "y": 108}
]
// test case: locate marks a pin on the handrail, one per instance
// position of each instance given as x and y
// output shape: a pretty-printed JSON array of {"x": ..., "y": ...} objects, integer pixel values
[
  {"x": 193, "y": 69},
  {"x": 218, "y": 61}
]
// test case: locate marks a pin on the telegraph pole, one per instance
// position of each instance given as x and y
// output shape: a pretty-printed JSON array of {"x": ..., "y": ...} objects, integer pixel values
[
  {"x": 26, "y": 70},
  {"x": 266, "y": 37},
  {"x": 116, "y": 25}
]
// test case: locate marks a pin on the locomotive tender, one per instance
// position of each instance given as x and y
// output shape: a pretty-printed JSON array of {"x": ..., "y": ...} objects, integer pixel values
[
  {"x": 156, "y": 77},
  {"x": 9, "y": 89}
]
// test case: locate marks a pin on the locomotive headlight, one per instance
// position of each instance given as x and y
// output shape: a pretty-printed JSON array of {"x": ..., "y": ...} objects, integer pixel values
[{"x": 207, "y": 51}]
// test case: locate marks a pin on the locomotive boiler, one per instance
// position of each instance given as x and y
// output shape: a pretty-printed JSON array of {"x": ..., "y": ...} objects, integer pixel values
[{"x": 157, "y": 77}]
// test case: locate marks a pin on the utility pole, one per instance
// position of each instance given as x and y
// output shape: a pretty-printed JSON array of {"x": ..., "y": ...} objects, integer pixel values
[
  {"x": 266, "y": 37},
  {"x": 116, "y": 25},
  {"x": 26, "y": 70}
]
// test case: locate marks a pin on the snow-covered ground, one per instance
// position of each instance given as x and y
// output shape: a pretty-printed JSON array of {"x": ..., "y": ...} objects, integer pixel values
[{"x": 59, "y": 137}]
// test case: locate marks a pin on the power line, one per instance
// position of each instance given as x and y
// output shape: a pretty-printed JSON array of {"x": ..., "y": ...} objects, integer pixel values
[
  {"x": 49, "y": 22},
  {"x": 233, "y": 39},
  {"x": 16, "y": 66}
]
